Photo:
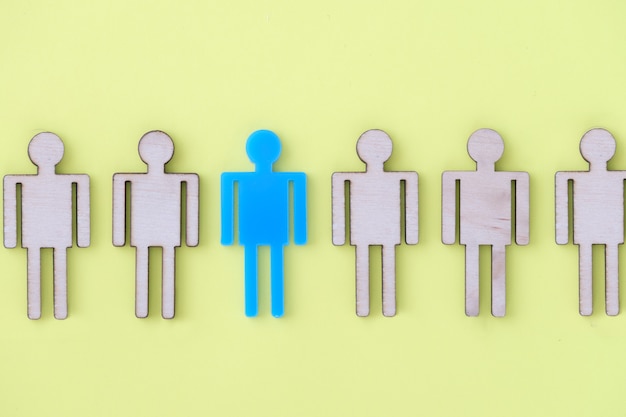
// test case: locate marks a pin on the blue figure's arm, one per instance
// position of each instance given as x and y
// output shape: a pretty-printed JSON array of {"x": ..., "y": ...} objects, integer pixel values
[
  {"x": 299, "y": 207},
  {"x": 228, "y": 179}
]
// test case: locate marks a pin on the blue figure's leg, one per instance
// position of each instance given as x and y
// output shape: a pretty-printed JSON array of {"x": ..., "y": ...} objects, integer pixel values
[
  {"x": 251, "y": 281},
  {"x": 277, "y": 281}
]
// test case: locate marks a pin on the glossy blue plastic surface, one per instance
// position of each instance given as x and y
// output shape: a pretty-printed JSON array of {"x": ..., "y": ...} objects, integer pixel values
[{"x": 263, "y": 215}]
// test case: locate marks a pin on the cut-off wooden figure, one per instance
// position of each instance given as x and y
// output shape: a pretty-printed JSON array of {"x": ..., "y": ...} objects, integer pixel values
[
  {"x": 155, "y": 217},
  {"x": 375, "y": 215},
  {"x": 598, "y": 205},
  {"x": 485, "y": 216},
  {"x": 48, "y": 204},
  {"x": 263, "y": 215}
]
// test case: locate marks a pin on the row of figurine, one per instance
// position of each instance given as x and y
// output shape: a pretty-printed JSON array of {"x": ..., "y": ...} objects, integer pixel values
[{"x": 263, "y": 197}]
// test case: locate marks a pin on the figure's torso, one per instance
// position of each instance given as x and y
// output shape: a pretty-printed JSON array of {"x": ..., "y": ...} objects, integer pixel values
[
  {"x": 598, "y": 207},
  {"x": 155, "y": 209},
  {"x": 263, "y": 208},
  {"x": 47, "y": 211},
  {"x": 375, "y": 208},
  {"x": 485, "y": 208}
]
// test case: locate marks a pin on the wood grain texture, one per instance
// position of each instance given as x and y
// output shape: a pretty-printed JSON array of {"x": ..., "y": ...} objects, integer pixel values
[
  {"x": 598, "y": 215},
  {"x": 47, "y": 215},
  {"x": 375, "y": 215},
  {"x": 155, "y": 216},
  {"x": 485, "y": 215}
]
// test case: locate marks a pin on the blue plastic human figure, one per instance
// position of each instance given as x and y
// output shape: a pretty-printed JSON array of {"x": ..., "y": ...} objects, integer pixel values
[{"x": 263, "y": 215}]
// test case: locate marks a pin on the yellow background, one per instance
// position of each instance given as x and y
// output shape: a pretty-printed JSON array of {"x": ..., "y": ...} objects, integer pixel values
[{"x": 319, "y": 73}]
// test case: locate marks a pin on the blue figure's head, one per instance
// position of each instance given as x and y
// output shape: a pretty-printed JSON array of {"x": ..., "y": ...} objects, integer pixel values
[{"x": 263, "y": 148}]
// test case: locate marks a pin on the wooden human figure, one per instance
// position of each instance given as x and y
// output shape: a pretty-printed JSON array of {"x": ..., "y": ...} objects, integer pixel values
[
  {"x": 263, "y": 215},
  {"x": 375, "y": 210},
  {"x": 47, "y": 212},
  {"x": 485, "y": 215},
  {"x": 598, "y": 204},
  {"x": 155, "y": 216}
]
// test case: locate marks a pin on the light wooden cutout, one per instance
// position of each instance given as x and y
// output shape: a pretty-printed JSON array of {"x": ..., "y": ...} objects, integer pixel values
[
  {"x": 155, "y": 216},
  {"x": 598, "y": 204},
  {"x": 485, "y": 216},
  {"x": 46, "y": 218},
  {"x": 375, "y": 212}
]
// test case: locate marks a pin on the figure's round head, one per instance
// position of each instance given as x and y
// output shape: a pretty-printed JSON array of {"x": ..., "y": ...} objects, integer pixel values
[
  {"x": 374, "y": 147},
  {"x": 597, "y": 146},
  {"x": 485, "y": 146},
  {"x": 263, "y": 147},
  {"x": 45, "y": 149},
  {"x": 156, "y": 148}
]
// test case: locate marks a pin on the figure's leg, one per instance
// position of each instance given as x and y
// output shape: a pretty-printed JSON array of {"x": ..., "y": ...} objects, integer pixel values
[
  {"x": 362, "y": 280},
  {"x": 277, "y": 281},
  {"x": 498, "y": 281},
  {"x": 60, "y": 282},
  {"x": 141, "y": 282},
  {"x": 168, "y": 283},
  {"x": 585, "y": 280},
  {"x": 389, "y": 280},
  {"x": 471, "y": 280},
  {"x": 33, "y": 282},
  {"x": 612, "y": 282},
  {"x": 251, "y": 281}
]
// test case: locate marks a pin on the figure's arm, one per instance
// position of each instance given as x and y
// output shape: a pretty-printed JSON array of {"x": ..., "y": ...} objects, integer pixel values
[
  {"x": 119, "y": 209},
  {"x": 10, "y": 211},
  {"x": 191, "y": 233},
  {"x": 561, "y": 199},
  {"x": 228, "y": 179},
  {"x": 522, "y": 205},
  {"x": 83, "y": 234},
  {"x": 448, "y": 207},
  {"x": 339, "y": 207},
  {"x": 299, "y": 208},
  {"x": 411, "y": 209}
]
